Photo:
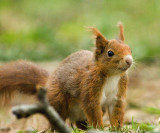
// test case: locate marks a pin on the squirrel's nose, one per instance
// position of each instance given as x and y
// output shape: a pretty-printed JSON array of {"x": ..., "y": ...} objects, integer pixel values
[{"x": 128, "y": 60}]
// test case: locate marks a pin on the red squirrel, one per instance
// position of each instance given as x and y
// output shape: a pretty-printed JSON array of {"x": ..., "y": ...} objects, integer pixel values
[{"x": 83, "y": 86}]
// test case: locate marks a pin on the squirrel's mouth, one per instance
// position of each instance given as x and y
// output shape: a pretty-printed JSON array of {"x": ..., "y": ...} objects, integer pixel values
[{"x": 124, "y": 68}]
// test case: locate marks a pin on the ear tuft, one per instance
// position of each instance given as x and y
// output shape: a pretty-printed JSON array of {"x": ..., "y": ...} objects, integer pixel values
[
  {"x": 101, "y": 41},
  {"x": 121, "y": 34},
  {"x": 97, "y": 34}
]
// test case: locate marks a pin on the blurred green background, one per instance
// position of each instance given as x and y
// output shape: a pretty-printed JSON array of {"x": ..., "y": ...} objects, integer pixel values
[{"x": 52, "y": 29}]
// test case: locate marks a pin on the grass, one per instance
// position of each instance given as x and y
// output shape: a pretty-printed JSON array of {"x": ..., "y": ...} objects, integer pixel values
[
  {"x": 142, "y": 127},
  {"x": 152, "y": 110},
  {"x": 133, "y": 127},
  {"x": 50, "y": 30}
]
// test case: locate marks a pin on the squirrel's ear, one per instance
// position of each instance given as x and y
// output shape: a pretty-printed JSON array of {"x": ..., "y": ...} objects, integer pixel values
[
  {"x": 121, "y": 29},
  {"x": 101, "y": 41}
]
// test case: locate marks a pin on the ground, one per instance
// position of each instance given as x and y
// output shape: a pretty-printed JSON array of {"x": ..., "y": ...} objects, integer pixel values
[{"x": 142, "y": 111}]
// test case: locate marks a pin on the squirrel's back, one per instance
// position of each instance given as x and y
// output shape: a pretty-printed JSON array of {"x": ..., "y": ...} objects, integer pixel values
[
  {"x": 69, "y": 71},
  {"x": 21, "y": 76}
]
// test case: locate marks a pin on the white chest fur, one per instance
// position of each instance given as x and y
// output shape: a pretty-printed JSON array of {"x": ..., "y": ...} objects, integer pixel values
[{"x": 110, "y": 90}]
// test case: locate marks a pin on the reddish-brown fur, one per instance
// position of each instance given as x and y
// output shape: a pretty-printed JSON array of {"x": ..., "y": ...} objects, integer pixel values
[
  {"x": 22, "y": 76},
  {"x": 76, "y": 86}
]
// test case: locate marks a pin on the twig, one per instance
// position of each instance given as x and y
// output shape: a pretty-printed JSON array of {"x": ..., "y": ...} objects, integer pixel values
[{"x": 23, "y": 111}]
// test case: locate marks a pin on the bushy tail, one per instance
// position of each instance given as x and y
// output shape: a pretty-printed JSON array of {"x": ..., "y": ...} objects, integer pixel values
[{"x": 21, "y": 76}]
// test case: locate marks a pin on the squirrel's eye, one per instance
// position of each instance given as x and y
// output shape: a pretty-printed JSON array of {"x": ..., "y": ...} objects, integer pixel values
[{"x": 110, "y": 53}]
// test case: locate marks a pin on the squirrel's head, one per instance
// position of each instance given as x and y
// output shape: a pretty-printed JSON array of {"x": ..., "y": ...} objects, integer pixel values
[{"x": 112, "y": 56}]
